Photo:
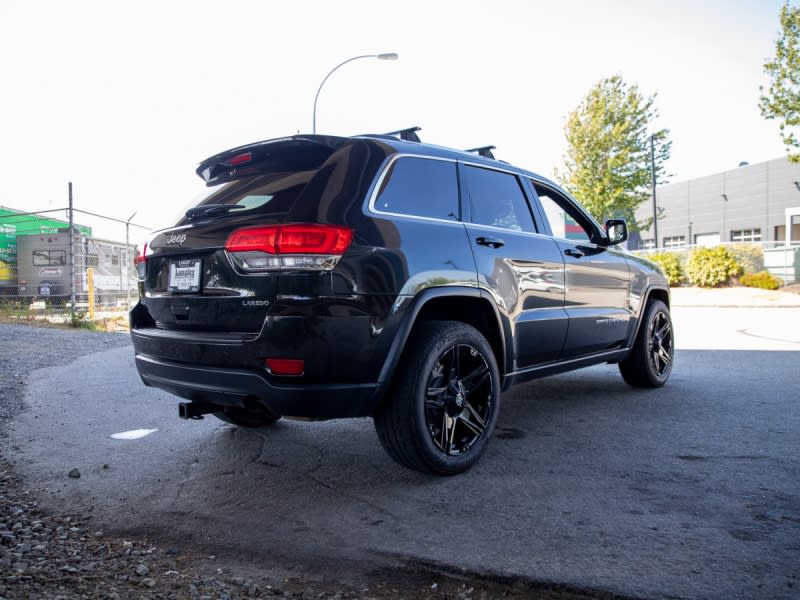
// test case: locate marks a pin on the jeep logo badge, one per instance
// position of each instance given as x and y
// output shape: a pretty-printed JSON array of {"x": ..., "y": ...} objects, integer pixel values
[{"x": 176, "y": 239}]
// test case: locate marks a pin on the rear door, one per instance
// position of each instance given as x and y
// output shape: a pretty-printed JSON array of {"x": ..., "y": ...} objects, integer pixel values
[{"x": 522, "y": 269}]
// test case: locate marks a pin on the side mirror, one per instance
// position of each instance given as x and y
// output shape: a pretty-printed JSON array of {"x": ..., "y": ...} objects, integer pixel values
[{"x": 616, "y": 231}]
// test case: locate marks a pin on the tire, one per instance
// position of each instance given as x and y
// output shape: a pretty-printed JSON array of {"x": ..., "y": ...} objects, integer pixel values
[
  {"x": 650, "y": 361},
  {"x": 442, "y": 407},
  {"x": 247, "y": 417}
]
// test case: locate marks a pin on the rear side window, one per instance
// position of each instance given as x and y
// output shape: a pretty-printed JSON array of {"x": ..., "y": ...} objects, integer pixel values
[
  {"x": 420, "y": 187},
  {"x": 497, "y": 199}
]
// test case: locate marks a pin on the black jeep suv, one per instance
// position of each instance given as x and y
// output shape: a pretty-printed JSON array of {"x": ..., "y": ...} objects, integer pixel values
[{"x": 325, "y": 277}]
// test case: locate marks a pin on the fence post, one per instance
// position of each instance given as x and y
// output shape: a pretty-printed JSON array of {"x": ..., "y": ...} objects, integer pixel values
[
  {"x": 90, "y": 290},
  {"x": 71, "y": 260}
]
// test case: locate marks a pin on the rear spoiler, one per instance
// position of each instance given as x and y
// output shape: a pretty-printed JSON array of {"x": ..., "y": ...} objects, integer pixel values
[{"x": 296, "y": 153}]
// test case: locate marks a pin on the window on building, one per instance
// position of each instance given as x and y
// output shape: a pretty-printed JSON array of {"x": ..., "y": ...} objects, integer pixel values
[
  {"x": 707, "y": 240},
  {"x": 648, "y": 244},
  {"x": 675, "y": 241},
  {"x": 746, "y": 235},
  {"x": 780, "y": 232}
]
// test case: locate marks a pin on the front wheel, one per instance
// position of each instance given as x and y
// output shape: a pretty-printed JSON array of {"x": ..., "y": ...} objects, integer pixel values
[
  {"x": 650, "y": 361},
  {"x": 442, "y": 408}
]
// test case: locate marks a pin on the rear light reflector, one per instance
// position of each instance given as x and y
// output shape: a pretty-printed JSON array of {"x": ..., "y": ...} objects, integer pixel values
[
  {"x": 288, "y": 247},
  {"x": 285, "y": 366}
]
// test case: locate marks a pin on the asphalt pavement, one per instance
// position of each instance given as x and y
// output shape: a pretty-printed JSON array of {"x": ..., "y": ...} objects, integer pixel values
[{"x": 690, "y": 491}]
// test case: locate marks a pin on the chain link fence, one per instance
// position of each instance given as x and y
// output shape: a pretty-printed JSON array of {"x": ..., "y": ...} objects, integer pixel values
[{"x": 52, "y": 271}]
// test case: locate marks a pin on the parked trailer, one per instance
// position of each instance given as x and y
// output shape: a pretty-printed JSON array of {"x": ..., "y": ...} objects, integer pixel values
[
  {"x": 14, "y": 223},
  {"x": 44, "y": 268}
]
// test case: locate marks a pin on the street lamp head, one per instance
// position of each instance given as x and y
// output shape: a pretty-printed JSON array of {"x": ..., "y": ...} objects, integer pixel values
[{"x": 382, "y": 56}]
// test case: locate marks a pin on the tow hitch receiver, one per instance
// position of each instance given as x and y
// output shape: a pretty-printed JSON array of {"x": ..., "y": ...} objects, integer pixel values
[{"x": 194, "y": 410}]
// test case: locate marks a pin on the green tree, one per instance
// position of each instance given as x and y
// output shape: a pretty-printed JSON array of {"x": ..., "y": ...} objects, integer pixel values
[
  {"x": 782, "y": 99},
  {"x": 607, "y": 164}
]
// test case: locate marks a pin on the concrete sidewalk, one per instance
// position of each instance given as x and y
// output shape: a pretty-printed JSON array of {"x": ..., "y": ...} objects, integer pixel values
[{"x": 742, "y": 297}]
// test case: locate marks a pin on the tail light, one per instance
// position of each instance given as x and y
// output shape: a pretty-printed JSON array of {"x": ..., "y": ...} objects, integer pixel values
[
  {"x": 139, "y": 261},
  {"x": 297, "y": 246}
]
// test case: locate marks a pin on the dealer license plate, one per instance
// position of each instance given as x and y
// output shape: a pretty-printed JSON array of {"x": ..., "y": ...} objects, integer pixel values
[{"x": 184, "y": 275}]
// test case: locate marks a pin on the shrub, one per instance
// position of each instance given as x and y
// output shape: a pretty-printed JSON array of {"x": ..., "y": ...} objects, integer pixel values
[
  {"x": 671, "y": 265},
  {"x": 763, "y": 279},
  {"x": 79, "y": 320},
  {"x": 712, "y": 267},
  {"x": 750, "y": 257}
]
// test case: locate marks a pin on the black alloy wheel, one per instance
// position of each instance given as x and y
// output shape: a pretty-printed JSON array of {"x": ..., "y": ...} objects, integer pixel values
[
  {"x": 660, "y": 350},
  {"x": 650, "y": 361},
  {"x": 442, "y": 407},
  {"x": 458, "y": 399}
]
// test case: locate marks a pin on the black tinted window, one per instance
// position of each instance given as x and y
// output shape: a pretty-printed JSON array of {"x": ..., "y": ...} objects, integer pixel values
[
  {"x": 497, "y": 199},
  {"x": 262, "y": 194},
  {"x": 420, "y": 187}
]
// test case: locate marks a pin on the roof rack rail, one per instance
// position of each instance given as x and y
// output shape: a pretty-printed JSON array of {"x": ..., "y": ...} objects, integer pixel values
[
  {"x": 408, "y": 134},
  {"x": 485, "y": 151}
]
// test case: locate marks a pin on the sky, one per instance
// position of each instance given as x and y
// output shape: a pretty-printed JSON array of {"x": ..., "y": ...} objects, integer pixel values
[{"x": 125, "y": 98}]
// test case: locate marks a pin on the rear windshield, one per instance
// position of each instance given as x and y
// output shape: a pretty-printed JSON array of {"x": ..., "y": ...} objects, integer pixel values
[{"x": 273, "y": 193}]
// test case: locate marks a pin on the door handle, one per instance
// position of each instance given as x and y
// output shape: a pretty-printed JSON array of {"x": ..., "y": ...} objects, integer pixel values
[
  {"x": 491, "y": 242},
  {"x": 573, "y": 252}
]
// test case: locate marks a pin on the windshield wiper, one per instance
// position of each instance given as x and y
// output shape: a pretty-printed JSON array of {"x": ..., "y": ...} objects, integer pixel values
[{"x": 207, "y": 210}]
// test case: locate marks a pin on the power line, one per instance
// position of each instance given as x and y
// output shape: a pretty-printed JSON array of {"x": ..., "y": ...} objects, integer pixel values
[{"x": 85, "y": 212}]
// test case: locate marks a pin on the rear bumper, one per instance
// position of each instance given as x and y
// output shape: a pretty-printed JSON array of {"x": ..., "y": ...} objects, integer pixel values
[{"x": 230, "y": 387}]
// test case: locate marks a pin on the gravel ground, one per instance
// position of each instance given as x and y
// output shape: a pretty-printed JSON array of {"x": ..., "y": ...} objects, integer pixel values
[{"x": 64, "y": 557}]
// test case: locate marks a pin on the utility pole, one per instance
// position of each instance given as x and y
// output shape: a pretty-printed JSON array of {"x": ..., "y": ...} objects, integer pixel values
[
  {"x": 653, "y": 181},
  {"x": 129, "y": 260},
  {"x": 71, "y": 261}
]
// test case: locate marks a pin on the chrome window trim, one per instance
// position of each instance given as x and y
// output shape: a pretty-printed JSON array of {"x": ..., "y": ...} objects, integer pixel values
[
  {"x": 385, "y": 171},
  {"x": 373, "y": 197}
]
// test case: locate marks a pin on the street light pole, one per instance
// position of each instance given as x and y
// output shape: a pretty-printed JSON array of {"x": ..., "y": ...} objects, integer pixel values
[
  {"x": 653, "y": 184},
  {"x": 382, "y": 56}
]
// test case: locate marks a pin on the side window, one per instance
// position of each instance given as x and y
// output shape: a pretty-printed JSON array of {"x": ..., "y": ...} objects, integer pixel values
[
  {"x": 497, "y": 199},
  {"x": 420, "y": 187},
  {"x": 565, "y": 222}
]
